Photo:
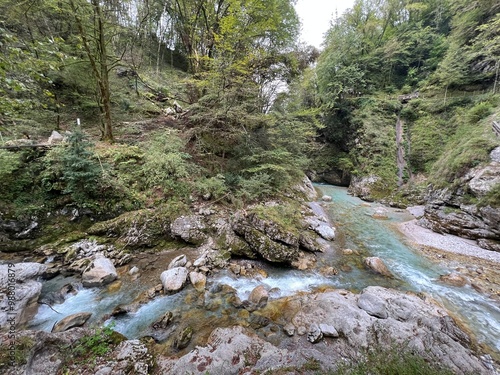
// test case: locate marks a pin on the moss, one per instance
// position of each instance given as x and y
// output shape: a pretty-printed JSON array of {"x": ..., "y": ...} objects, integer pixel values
[{"x": 286, "y": 214}]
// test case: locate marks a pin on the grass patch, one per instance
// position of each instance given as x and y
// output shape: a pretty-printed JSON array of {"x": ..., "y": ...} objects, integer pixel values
[{"x": 392, "y": 362}]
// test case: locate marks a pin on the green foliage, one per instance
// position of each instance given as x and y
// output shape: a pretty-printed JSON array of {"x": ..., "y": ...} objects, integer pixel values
[
  {"x": 492, "y": 198},
  {"x": 89, "y": 348},
  {"x": 392, "y": 362},
  {"x": 9, "y": 162},
  {"x": 22, "y": 345},
  {"x": 165, "y": 163},
  {"x": 478, "y": 112},
  {"x": 258, "y": 185},
  {"x": 467, "y": 149},
  {"x": 212, "y": 187},
  {"x": 81, "y": 172}
]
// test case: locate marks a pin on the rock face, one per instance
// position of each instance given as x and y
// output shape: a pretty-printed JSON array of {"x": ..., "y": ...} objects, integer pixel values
[
  {"x": 19, "y": 292},
  {"x": 377, "y": 318},
  {"x": 174, "y": 279},
  {"x": 362, "y": 187},
  {"x": 190, "y": 228},
  {"x": 448, "y": 212},
  {"x": 228, "y": 351},
  {"x": 100, "y": 272},
  {"x": 136, "y": 228},
  {"x": 75, "y": 320}
]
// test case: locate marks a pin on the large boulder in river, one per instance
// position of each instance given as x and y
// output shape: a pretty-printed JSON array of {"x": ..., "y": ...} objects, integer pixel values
[
  {"x": 19, "y": 292},
  {"x": 174, "y": 279},
  {"x": 100, "y": 272},
  {"x": 363, "y": 187},
  {"x": 71, "y": 321},
  {"x": 377, "y": 265}
]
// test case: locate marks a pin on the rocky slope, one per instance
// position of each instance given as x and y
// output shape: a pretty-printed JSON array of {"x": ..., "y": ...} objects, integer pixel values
[{"x": 324, "y": 327}]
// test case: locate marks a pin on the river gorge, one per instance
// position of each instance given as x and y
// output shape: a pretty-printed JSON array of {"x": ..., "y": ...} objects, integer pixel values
[{"x": 362, "y": 230}]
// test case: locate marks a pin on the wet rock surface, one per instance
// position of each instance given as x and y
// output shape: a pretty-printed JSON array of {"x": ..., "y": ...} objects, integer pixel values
[{"x": 347, "y": 322}]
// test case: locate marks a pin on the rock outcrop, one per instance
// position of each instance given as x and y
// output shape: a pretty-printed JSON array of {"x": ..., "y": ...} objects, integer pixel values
[
  {"x": 362, "y": 187},
  {"x": 377, "y": 318},
  {"x": 19, "y": 292},
  {"x": 47, "y": 353},
  {"x": 448, "y": 210}
]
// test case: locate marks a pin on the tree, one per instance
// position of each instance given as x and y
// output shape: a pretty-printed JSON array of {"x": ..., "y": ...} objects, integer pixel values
[{"x": 93, "y": 29}]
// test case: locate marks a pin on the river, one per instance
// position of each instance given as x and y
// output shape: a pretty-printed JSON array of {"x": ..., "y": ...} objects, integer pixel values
[{"x": 357, "y": 230}]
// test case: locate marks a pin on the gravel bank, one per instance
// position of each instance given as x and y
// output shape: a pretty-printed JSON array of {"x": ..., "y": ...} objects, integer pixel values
[{"x": 448, "y": 243}]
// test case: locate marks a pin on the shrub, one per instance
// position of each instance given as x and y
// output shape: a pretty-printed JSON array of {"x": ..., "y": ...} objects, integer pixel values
[
  {"x": 165, "y": 162},
  {"x": 212, "y": 187},
  {"x": 255, "y": 187},
  {"x": 478, "y": 112},
  {"x": 73, "y": 169}
]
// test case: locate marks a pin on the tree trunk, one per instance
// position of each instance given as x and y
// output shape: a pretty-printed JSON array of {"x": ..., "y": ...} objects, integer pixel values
[{"x": 105, "y": 92}]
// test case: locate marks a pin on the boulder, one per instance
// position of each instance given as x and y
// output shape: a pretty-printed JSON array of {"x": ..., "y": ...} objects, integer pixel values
[
  {"x": 141, "y": 228},
  {"x": 19, "y": 292},
  {"x": 328, "y": 330},
  {"x": 377, "y": 265},
  {"x": 321, "y": 227},
  {"x": 100, "y": 272},
  {"x": 179, "y": 261},
  {"x": 362, "y": 187},
  {"x": 380, "y": 213},
  {"x": 55, "y": 137},
  {"x": 71, "y": 321},
  {"x": 174, "y": 279},
  {"x": 314, "y": 334},
  {"x": 326, "y": 198},
  {"x": 183, "y": 338},
  {"x": 258, "y": 296},
  {"x": 164, "y": 321},
  {"x": 198, "y": 280},
  {"x": 454, "y": 279}
]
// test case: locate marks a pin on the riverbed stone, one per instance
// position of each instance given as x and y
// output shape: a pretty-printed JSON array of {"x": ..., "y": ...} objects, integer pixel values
[
  {"x": 198, "y": 280},
  {"x": 100, "y": 272},
  {"x": 183, "y": 338},
  {"x": 454, "y": 279},
  {"x": 258, "y": 296},
  {"x": 314, "y": 334},
  {"x": 174, "y": 279},
  {"x": 378, "y": 266},
  {"x": 179, "y": 261},
  {"x": 71, "y": 321}
]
